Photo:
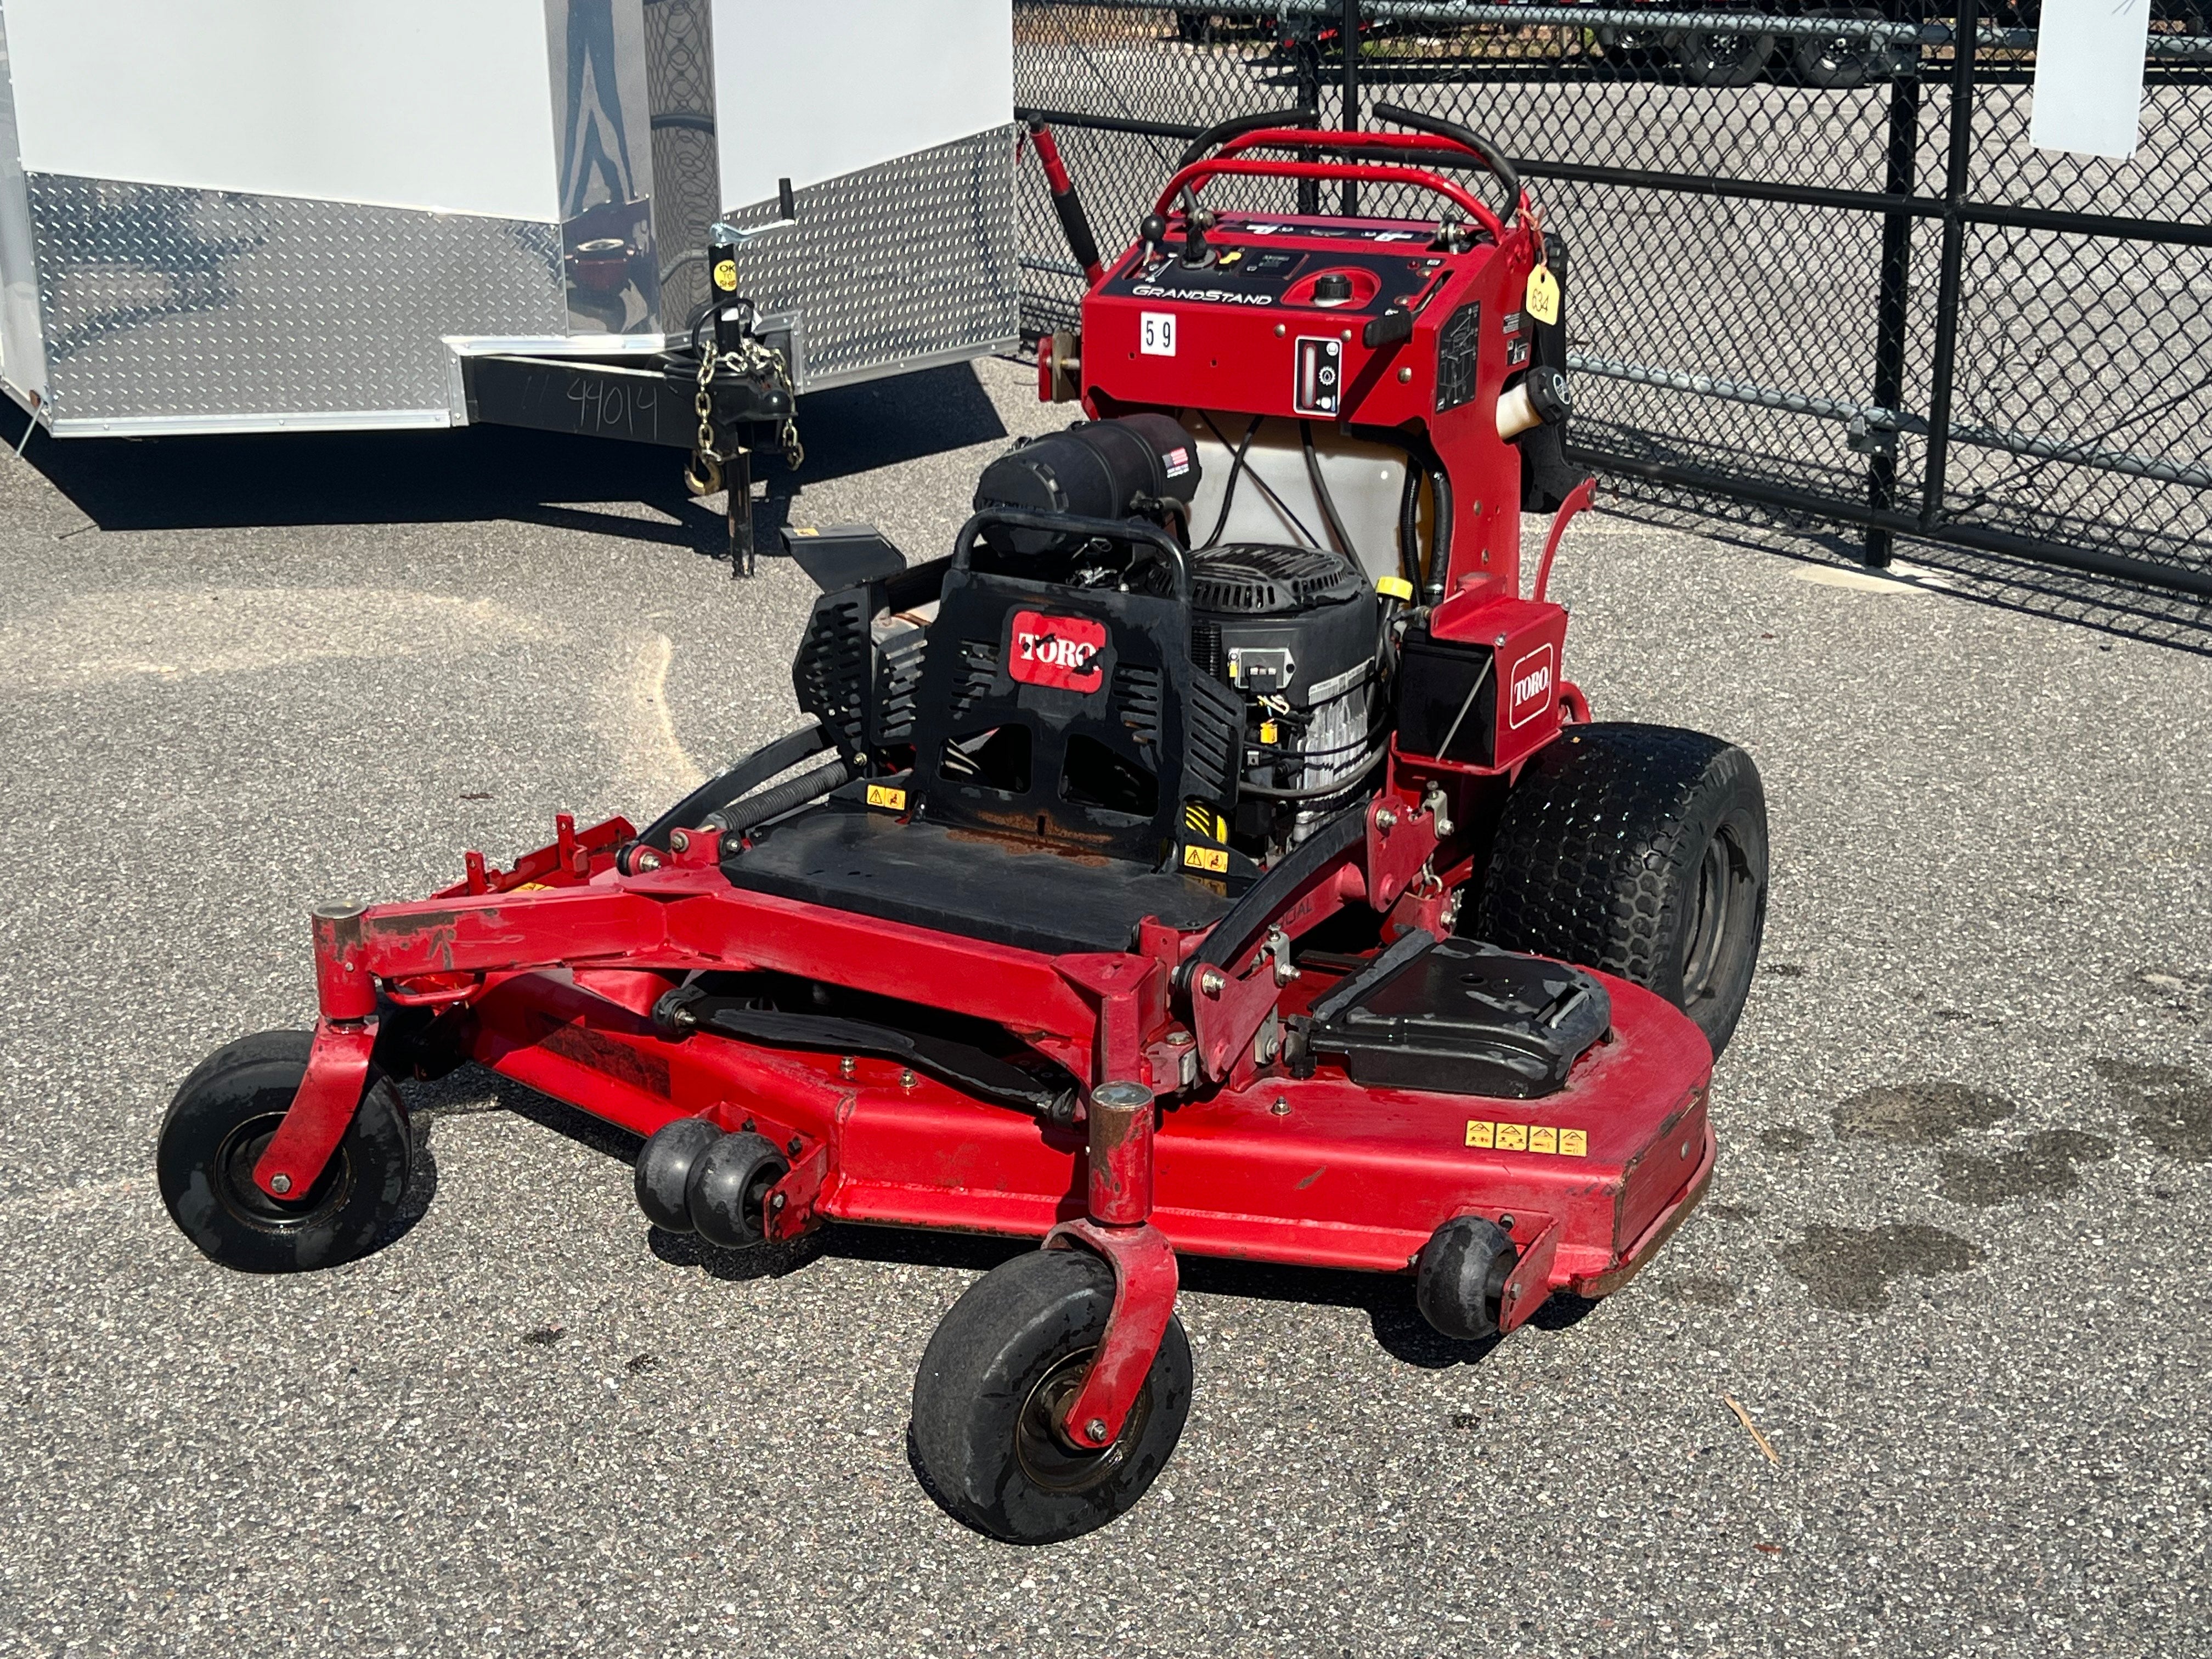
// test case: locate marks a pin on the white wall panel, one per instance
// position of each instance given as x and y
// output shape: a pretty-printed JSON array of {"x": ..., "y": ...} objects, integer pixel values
[
  {"x": 403, "y": 103},
  {"x": 811, "y": 89}
]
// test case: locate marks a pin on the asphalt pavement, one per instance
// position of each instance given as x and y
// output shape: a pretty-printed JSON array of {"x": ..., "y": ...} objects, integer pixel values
[{"x": 1952, "y": 1269}]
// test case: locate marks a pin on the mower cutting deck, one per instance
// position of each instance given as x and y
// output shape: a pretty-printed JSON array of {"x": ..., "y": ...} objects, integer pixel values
[{"x": 1207, "y": 856}]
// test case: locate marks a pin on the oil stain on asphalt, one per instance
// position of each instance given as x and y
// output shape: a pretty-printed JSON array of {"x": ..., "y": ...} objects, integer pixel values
[
  {"x": 1852, "y": 1269},
  {"x": 1918, "y": 1114},
  {"x": 2042, "y": 1166},
  {"x": 2171, "y": 1106}
]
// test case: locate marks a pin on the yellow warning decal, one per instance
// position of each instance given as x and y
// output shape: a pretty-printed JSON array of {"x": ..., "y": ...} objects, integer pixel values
[
  {"x": 533, "y": 887},
  {"x": 1528, "y": 1137},
  {"x": 1215, "y": 859},
  {"x": 882, "y": 794},
  {"x": 726, "y": 275}
]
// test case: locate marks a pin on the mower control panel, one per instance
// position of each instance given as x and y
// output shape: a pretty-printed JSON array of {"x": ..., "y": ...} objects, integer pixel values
[{"x": 1268, "y": 262}]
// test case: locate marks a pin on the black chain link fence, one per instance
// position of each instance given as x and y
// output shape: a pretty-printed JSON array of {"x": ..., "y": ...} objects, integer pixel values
[{"x": 1815, "y": 262}]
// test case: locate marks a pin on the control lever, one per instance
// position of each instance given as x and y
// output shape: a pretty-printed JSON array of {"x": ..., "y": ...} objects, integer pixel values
[
  {"x": 1195, "y": 224},
  {"x": 1393, "y": 325}
]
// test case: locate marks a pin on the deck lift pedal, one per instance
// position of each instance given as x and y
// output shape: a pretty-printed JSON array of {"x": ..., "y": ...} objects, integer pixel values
[{"x": 1150, "y": 887}]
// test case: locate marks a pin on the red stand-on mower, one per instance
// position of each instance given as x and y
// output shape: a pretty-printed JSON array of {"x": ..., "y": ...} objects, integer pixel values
[{"x": 1210, "y": 858}]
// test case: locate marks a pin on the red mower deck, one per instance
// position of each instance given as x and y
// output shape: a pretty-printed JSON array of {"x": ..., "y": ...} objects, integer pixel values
[{"x": 1164, "y": 893}]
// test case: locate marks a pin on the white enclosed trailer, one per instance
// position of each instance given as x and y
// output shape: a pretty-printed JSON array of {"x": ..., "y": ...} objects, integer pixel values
[{"x": 223, "y": 215}]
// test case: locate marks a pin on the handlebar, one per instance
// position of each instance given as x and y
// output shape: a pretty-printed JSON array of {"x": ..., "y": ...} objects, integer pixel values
[{"x": 1296, "y": 129}]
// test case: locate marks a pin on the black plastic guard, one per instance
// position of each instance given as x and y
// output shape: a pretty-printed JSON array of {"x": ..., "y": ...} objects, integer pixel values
[{"x": 1458, "y": 1017}]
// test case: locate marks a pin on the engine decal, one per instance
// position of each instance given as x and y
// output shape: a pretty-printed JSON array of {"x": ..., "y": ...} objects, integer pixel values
[{"x": 1061, "y": 652}]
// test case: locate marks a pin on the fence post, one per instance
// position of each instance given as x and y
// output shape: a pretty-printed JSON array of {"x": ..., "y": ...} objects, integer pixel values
[
  {"x": 1951, "y": 276},
  {"x": 1890, "y": 308},
  {"x": 1348, "y": 39}
]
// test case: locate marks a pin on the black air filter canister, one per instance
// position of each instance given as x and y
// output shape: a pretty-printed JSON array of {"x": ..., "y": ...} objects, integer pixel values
[{"x": 1096, "y": 470}]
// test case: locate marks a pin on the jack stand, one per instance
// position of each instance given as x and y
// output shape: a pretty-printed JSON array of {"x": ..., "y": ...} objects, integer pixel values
[{"x": 738, "y": 475}]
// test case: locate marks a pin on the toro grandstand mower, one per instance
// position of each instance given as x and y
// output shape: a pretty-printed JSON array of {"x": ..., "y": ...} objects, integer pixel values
[{"x": 1209, "y": 857}]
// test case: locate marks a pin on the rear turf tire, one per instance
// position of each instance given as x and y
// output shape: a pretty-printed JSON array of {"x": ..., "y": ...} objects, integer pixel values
[
  {"x": 1012, "y": 1349},
  {"x": 215, "y": 1133},
  {"x": 1641, "y": 851}
]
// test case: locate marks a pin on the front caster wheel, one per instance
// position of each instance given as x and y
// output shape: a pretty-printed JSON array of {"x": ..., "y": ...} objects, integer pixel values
[
  {"x": 1001, "y": 1367},
  {"x": 219, "y": 1125}
]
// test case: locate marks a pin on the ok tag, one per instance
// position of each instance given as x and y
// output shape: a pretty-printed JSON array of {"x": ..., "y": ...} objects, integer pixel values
[{"x": 1543, "y": 295}]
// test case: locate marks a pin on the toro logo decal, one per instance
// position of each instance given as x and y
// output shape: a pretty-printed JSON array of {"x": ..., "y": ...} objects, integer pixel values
[
  {"x": 1057, "y": 650},
  {"x": 1531, "y": 687}
]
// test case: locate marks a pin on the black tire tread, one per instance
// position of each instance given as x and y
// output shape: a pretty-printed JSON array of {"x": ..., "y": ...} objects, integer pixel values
[
  {"x": 973, "y": 1373},
  {"x": 1593, "y": 838},
  {"x": 379, "y": 1141}
]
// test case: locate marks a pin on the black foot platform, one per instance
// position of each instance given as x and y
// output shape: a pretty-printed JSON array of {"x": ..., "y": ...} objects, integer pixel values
[{"x": 967, "y": 881}]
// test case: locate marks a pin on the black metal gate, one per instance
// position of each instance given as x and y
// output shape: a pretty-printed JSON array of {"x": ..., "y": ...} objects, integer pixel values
[{"x": 1815, "y": 262}]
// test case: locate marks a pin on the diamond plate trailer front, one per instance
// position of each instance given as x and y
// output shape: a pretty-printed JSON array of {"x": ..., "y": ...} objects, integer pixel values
[{"x": 252, "y": 215}]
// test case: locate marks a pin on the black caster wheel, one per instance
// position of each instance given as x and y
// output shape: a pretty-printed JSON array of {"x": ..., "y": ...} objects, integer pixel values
[
  {"x": 727, "y": 1193},
  {"x": 1460, "y": 1280},
  {"x": 217, "y": 1129},
  {"x": 663, "y": 1170},
  {"x": 1000, "y": 1367}
]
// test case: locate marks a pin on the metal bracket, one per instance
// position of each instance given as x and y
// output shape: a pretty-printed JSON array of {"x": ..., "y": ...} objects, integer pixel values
[
  {"x": 337, "y": 1073},
  {"x": 1145, "y": 1283}
]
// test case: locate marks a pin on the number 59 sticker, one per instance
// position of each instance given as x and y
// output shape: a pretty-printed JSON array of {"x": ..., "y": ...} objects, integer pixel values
[{"x": 1157, "y": 337}]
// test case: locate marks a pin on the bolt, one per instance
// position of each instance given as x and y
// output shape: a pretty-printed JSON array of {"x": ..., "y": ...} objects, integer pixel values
[
  {"x": 906, "y": 1079},
  {"x": 1506, "y": 1222},
  {"x": 791, "y": 1146},
  {"x": 847, "y": 1066},
  {"x": 1386, "y": 819},
  {"x": 747, "y": 1125},
  {"x": 678, "y": 841},
  {"x": 1280, "y": 331},
  {"x": 1685, "y": 1149},
  {"x": 775, "y": 1201},
  {"x": 645, "y": 861},
  {"x": 1501, "y": 639},
  {"x": 1282, "y": 1106},
  {"x": 1404, "y": 375},
  {"x": 280, "y": 1184},
  {"x": 1095, "y": 1430},
  {"x": 1211, "y": 982},
  {"x": 1180, "y": 1039}
]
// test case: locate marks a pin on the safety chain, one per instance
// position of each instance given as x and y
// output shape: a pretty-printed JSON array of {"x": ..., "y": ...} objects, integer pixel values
[{"x": 704, "y": 475}]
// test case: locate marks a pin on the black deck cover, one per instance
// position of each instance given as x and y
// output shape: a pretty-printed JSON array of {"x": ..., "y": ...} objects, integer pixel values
[{"x": 967, "y": 882}]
